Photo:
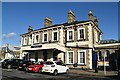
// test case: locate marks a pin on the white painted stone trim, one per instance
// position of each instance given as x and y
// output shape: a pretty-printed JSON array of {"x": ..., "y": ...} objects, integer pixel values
[
  {"x": 53, "y": 35},
  {"x": 68, "y": 35},
  {"x": 79, "y": 57},
  {"x": 68, "y": 57}
]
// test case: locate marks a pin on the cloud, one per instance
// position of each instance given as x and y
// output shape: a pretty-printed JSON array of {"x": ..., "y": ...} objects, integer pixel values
[{"x": 9, "y": 35}]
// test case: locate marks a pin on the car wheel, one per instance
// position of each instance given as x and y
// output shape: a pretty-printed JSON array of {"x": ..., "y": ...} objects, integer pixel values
[
  {"x": 26, "y": 69},
  {"x": 40, "y": 70},
  {"x": 9, "y": 66},
  {"x": 55, "y": 73},
  {"x": 67, "y": 71}
]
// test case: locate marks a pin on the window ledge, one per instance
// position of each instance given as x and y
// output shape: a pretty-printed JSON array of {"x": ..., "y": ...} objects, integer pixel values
[
  {"x": 81, "y": 39},
  {"x": 70, "y": 41}
]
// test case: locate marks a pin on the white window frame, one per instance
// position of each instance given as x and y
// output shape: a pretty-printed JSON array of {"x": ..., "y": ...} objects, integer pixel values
[
  {"x": 43, "y": 37},
  {"x": 24, "y": 41},
  {"x": 30, "y": 40},
  {"x": 79, "y": 33},
  {"x": 79, "y": 57},
  {"x": 68, "y": 57},
  {"x": 53, "y": 36},
  {"x": 96, "y": 36},
  {"x": 36, "y": 39},
  {"x": 69, "y": 34}
]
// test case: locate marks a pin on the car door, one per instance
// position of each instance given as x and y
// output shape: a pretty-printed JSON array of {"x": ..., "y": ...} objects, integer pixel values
[{"x": 60, "y": 67}]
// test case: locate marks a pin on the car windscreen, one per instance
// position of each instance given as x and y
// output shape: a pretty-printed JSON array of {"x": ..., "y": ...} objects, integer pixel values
[{"x": 49, "y": 63}]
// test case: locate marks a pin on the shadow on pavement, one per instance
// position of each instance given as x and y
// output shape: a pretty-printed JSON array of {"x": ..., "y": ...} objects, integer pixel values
[{"x": 117, "y": 77}]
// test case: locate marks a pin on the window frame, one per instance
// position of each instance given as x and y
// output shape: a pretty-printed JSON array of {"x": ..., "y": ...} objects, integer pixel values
[
  {"x": 30, "y": 39},
  {"x": 43, "y": 37},
  {"x": 79, "y": 33},
  {"x": 69, "y": 34},
  {"x": 79, "y": 57},
  {"x": 68, "y": 57},
  {"x": 35, "y": 40},
  {"x": 24, "y": 40},
  {"x": 53, "y": 35}
]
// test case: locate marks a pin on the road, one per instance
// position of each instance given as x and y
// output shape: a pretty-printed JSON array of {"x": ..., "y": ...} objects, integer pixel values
[{"x": 14, "y": 74}]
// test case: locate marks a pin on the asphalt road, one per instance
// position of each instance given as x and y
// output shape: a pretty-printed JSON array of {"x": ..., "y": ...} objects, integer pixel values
[{"x": 13, "y": 74}]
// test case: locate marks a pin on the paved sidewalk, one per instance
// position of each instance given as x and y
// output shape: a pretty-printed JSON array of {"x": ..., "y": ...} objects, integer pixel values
[{"x": 92, "y": 72}]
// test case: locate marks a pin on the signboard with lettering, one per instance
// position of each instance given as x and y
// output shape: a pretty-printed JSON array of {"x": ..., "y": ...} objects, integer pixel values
[{"x": 36, "y": 46}]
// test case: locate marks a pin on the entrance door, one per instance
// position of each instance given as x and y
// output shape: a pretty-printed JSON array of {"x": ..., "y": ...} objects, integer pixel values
[
  {"x": 55, "y": 54},
  {"x": 36, "y": 56},
  {"x": 94, "y": 60},
  {"x": 45, "y": 55}
]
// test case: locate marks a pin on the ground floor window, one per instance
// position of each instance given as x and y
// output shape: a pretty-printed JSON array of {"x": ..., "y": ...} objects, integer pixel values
[
  {"x": 70, "y": 57},
  {"x": 82, "y": 57}
]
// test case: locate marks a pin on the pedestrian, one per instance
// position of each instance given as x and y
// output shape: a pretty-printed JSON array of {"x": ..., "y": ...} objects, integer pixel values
[{"x": 59, "y": 59}]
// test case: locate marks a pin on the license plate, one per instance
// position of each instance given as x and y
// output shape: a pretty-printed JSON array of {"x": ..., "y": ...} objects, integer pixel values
[
  {"x": 30, "y": 68},
  {"x": 20, "y": 67},
  {"x": 46, "y": 70}
]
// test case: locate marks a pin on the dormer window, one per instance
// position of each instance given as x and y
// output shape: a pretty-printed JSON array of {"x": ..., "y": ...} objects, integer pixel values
[
  {"x": 54, "y": 35},
  {"x": 45, "y": 37},
  {"x": 81, "y": 33},
  {"x": 70, "y": 35}
]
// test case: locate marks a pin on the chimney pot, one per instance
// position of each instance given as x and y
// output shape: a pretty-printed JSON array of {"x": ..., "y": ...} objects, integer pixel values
[
  {"x": 47, "y": 22},
  {"x": 90, "y": 15},
  {"x": 71, "y": 16},
  {"x": 30, "y": 29}
]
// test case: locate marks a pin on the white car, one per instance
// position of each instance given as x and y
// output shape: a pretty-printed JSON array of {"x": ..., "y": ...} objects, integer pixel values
[{"x": 55, "y": 67}]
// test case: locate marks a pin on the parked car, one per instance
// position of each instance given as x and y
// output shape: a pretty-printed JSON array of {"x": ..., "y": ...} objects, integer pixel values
[
  {"x": 11, "y": 63},
  {"x": 37, "y": 67},
  {"x": 2, "y": 60},
  {"x": 24, "y": 64},
  {"x": 55, "y": 67}
]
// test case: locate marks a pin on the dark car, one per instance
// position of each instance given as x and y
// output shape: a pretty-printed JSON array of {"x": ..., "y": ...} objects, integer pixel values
[
  {"x": 24, "y": 64},
  {"x": 11, "y": 63}
]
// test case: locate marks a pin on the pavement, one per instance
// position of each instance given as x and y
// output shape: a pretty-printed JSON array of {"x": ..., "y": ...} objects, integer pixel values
[{"x": 92, "y": 72}]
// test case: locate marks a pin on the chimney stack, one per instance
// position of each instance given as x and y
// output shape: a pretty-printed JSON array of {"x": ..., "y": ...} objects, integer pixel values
[
  {"x": 95, "y": 20},
  {"x": 30, "y": 29},
  {"x": 71, "y": 16},
  {"x": 90, "y": 15},
  {"x": 47, "y": 22}
]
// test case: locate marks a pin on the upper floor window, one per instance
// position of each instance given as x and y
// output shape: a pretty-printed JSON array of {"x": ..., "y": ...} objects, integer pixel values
[
  {"x": 25, "y": 41},
  {"x": 45, "y": 37},
  {"x": 54, "y": 36},
  {"x": 70, "y": 57},
  {"x": 30, "y": 39},
  {"x": 81, "y": 33},
  {"x": 82, "y": 57},
  {"x": 70, "y": 35},
  {"x": 36, "y": 38},
  {"x": 96, "y": 36}
]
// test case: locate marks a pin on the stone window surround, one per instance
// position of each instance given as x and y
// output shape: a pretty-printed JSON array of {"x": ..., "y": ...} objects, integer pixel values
[
  {"x": 68, "y": 57},
  {"x": 43, "y": 37},
  {"x": 68, "y": 35},
  {"x": 79, "y": 33},
  {"x": 24, "y": 40},
  {"x": 79, "y": 57},
  {"x": 53, "y": 35},
  {"x": 35, "y": 40}
]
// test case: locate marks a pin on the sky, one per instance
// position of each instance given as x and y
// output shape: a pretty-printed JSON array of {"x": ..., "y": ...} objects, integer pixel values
[{"x": 17, "y": 16}]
